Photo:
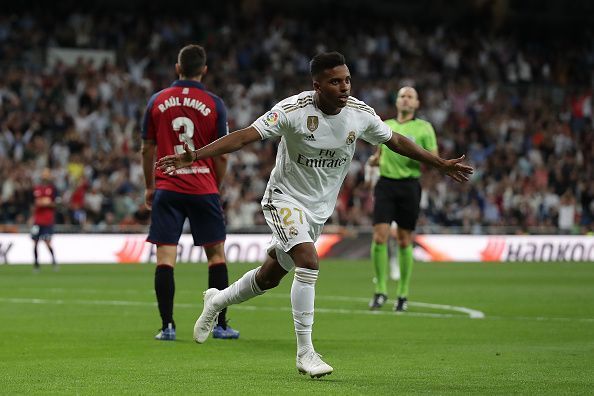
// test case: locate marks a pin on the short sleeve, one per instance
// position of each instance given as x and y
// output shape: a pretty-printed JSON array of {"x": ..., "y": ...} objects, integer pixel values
[
  {"x": 430, "y": 140},
  {"x": 377, "y": 131},
  {"x": 147, "y": 129},
  {"x": 272, "y": 124},
  {"x": 222, "y": 126}
]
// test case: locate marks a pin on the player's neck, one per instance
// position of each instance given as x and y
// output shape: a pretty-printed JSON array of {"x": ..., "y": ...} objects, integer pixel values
[
  {"x": 196, "y": 79},
  {"x": 404, "y": 117},
  {"x": 324, "y": 107}
]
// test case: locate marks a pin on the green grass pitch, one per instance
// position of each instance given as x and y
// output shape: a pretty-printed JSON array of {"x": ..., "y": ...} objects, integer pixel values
[{"x": 88, "y": 329}]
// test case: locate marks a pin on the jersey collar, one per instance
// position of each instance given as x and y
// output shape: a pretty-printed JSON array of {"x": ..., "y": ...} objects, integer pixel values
[
  {"x": 402, "y": 123},
  {"x": 188, "y": 83}
]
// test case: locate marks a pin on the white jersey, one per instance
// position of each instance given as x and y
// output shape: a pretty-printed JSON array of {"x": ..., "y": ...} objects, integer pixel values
[{"x": 316, "y": 149}]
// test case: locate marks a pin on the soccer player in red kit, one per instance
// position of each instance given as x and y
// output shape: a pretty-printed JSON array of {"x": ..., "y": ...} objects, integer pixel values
[
  {"x": 44, "y": 211},
  {"x": 185, "y": 114}
]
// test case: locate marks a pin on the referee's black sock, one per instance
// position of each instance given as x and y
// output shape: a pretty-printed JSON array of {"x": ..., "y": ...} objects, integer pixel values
[
  {"x": 165, "y": 291},
  {"x": 218, "y": 278}
]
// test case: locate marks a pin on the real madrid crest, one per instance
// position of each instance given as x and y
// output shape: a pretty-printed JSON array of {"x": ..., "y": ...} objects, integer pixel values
[
  {"x": 312, "y": 123},
  {"x": 350, "y": 138},
  {"x": 293, "y": 232}
]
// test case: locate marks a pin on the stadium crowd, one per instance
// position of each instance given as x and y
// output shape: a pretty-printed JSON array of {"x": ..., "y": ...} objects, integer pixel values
[{"x": 520, "y": 109}]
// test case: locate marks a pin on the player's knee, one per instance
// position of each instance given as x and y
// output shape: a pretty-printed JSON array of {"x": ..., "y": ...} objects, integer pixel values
[
  {"x": 404, "y": 241},
  {"x": 215, "y": 254},
  {"x": 216, "y": 259},
  {"x": 308, "y": 262},
  {"x": 380, "y": 237},
  {"x": 305, "y": 256}
]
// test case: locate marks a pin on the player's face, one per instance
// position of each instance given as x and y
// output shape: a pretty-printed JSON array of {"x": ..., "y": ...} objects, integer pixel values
[
  {"x": 407, "y": 100},
  {"x": 334, "y": 87},
  {"x": 46, "y": 176}
]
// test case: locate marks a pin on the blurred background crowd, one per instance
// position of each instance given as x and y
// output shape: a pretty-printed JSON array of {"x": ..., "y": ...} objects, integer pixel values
[{"x": 518, "y": 103}]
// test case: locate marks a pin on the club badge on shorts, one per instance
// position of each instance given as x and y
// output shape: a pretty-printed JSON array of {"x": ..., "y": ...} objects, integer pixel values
[{"x": 293, "y": 232}]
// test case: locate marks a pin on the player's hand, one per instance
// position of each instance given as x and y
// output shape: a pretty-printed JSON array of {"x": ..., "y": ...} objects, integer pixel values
[
  {"x": 373, "y": 160},
  {"x": 170, "y": 163},
  {"x": 455, "y": 169},
  {"x": 149, "y": 193},
  {"x": 371, "y": 176}
]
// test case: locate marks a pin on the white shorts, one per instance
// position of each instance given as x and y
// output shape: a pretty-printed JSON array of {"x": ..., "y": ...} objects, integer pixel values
[{"x": 290, "y": 225}]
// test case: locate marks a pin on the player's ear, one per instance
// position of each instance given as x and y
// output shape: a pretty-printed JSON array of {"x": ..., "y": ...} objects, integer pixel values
[
  {"x": 178, "y": 69},
  {"x": 204, "y": 70},
  {"x": 316, "y": 86}
]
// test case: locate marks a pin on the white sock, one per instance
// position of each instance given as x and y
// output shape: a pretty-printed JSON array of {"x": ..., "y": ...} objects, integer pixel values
[
  {"x": 242, "y": 290},
  {"x": 303, "y": 294},
  {"x": 394, "y": 265}
]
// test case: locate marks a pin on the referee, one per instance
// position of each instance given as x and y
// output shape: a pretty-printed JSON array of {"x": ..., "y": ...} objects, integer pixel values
[{"x": 397, "y": 197}]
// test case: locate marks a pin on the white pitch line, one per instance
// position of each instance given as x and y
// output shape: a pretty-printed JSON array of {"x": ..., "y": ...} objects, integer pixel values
[
  {"x": 244, "y": 307},
  {"x": 472, "y": 313}
]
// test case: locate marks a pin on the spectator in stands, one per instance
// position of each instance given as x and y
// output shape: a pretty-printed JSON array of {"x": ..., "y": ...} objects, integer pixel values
[{"x": 525, "y": 120}]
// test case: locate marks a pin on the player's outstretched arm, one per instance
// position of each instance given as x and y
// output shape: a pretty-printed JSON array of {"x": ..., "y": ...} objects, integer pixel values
[
  {"x": 227, "y": 144},
  {"x": 452, "y": 167}
]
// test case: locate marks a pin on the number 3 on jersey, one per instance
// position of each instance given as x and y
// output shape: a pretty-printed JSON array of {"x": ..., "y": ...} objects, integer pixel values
[{"x": 185, "y": 136}]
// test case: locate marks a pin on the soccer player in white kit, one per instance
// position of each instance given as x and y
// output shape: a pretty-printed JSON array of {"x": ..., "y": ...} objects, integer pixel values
[{"x": 318, "y": 131}]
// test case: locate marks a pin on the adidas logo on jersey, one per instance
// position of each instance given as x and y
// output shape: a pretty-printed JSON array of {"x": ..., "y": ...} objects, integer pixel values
[{"x": 310, "y": 138}]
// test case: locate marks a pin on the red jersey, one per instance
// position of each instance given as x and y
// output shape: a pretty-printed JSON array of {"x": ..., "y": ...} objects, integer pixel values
[
  {"x": 185, "y": 113},
  {"x": 44, "y": 215}
]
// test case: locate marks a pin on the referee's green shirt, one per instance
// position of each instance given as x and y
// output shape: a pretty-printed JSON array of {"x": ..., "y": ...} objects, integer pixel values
[{"x": 396, "y": 166}]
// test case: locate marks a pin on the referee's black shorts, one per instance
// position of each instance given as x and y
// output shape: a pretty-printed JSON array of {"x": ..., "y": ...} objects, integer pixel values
[{"x": 397, "y": 200}]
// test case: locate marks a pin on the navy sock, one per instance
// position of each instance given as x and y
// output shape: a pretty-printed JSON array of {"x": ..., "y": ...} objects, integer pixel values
[
  {"x": 165, "y": 291},
  {"x": 36, "y": 264},
  {"x": 52, "y": 253},
  {"x": 218, "y": 278}
]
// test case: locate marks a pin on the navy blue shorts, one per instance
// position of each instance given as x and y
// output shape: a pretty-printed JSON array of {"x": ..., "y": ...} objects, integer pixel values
[
  {"x": 170, "y": 210},
  {"x": 43, "y": 232}
]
